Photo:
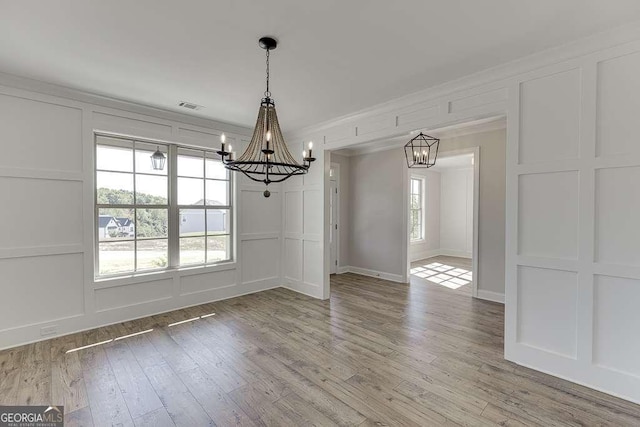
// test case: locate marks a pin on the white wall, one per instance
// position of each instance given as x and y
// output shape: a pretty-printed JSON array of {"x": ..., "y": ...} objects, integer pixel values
[
  {"x": 430, "y": 246},
  {"x": 573, "y": 163},
  {"x": 46, "y": 217},
  {"x": 377, "y": 196},
  {"x": 456, "y": 212}
]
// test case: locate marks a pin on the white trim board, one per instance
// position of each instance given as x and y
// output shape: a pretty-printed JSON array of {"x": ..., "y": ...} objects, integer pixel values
[
  {"x": 457, "y": 254},
  {"x": 418, "y": 256},
  {"x": 372, "y": 273},
  {"x": 343, "y": 269},
  {"x": 440, "y": 252},
  {"x": 490, "y": 296}
]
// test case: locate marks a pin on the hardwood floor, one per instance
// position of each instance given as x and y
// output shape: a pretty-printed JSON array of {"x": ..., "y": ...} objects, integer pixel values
[
  {"x": 451, "y": 272},
  {"x": 377, "y": 353}
]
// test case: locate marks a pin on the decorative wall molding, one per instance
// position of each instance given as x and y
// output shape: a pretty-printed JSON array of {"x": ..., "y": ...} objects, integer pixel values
[
  {"x": 101, "y": 302},
  {"x": 569, "y": 197},
  {"x": 36, "y": 251},
  {"x": 51, "y": 175}
]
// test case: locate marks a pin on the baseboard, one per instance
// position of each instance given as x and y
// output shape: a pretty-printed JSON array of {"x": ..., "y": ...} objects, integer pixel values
[
  {"x": 491, "y": 296},
  {"x": 343, "y": 269},
  {"x": 459, "y": 254},
  {"x": 417, "y": 256},
  {"x": 373, "y": 273},
  {"x": 23, "y": 335},
  {"x": 305, "y": 288},
  {"x": 439, "y": 252}
]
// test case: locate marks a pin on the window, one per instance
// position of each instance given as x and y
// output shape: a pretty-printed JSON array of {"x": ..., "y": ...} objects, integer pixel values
[
  {"x": 150, "y": 219},
  {"x": 204, "y": 208},
  {"x": 415, "y": 209}
]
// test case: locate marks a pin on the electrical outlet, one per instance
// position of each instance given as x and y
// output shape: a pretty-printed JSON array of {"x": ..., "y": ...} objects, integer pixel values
[{"x": 49, "y": 330}]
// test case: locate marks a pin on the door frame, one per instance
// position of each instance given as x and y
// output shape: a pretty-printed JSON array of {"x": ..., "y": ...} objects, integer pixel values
[
  {"x": 336, "y": 178},
  {"x": 476, "y": 210}
]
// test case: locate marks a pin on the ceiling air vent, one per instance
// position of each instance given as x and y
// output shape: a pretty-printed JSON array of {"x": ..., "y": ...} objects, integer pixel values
[{"x": 190, "y": 105}]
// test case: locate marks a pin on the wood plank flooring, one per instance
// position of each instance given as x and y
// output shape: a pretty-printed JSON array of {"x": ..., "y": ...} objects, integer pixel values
[
  {"x": 452, "y": 272},
  {"x": 377, "y": 353}
]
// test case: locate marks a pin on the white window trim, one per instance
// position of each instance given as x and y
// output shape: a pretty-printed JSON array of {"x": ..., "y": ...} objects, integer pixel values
[
  {"x": 422, "y": 180},
  {"x": 173, "y": 235}
]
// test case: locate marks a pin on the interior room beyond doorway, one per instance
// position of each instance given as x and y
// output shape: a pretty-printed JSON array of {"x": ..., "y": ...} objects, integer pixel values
[{"x": 441, "y": 222}]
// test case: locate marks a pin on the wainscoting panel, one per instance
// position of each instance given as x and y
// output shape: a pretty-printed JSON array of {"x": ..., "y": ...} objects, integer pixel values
[
  {"x": 550, "y": 117},
  {"x": 40, "y": 289},
  {"x": 545, "y": 232},
  {"x": 40, "y": 212},
  {"x": 260, "y": 258},
  {"x": 544, "y": 323},
  {"x": 617, "y": 209},
  {"x": 616, "y": 318},
  {"x": 53, "y": 141},
  {"x": 618, "y": 106},
  {"x": 130, "y": 295},
  {"x": 196, "y": 283}
]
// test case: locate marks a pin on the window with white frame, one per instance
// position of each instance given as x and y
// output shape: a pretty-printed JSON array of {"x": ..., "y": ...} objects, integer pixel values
[
  {"x": 150, "y": 220},
  {"x": 416, "y": 211}
]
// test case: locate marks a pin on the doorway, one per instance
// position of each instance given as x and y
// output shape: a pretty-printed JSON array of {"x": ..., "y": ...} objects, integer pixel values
[
  {"x": 334, "y": 202},
  {"x": 443, "y": 221}
]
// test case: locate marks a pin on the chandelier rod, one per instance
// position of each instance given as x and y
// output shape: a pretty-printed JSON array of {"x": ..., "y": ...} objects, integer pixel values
[{"x": 267, "y": 93}]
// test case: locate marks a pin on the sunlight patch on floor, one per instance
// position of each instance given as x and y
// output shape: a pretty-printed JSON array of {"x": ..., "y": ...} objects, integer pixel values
[{"x": 443, "y": 274}]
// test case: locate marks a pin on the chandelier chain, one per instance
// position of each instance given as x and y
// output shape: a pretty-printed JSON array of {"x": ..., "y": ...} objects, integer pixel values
[{"x": 267, "y": 93}]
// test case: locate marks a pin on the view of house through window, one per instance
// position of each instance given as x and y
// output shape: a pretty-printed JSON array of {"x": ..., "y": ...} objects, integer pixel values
[
  {"x": 415, "y": 209},
  {"x": 204, "y": 208},
  {"x": 137, "y": 205}
]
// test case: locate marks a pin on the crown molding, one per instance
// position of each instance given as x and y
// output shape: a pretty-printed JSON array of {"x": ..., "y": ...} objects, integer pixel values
[{"x": 38, "y": 86}]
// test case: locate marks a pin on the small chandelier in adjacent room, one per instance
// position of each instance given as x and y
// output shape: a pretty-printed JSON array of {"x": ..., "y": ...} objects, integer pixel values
[
  {"x": 267, "y": 158},
  {"x": 158, "y": 159},
  {"x": 421, "y": 151}
]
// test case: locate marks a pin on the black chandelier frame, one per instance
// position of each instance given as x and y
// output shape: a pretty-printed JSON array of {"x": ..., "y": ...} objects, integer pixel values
[
  {"x": 267, "y": 158},
  {"x": 422, "y": 151}
]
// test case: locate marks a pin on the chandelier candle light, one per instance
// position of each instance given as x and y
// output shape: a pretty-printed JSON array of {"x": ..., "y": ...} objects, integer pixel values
[
  {"x": 267, "y": 158},
  {"x": 421, "y": 151}
]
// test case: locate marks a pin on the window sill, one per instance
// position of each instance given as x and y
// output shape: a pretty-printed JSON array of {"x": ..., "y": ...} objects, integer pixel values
[
  {"x": 416, "y": 242},
  {"x": 153, "y": 276}
]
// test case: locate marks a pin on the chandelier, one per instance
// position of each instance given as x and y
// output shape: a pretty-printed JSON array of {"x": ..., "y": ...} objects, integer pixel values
[
  {"x": 267, "y": 158},
  {"x": 421, "y": 151}
]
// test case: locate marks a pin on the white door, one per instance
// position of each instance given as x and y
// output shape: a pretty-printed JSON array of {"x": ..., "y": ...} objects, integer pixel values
[{"x": 333, "y": 221}]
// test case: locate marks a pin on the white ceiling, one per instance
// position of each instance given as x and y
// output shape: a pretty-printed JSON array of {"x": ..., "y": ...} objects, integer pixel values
[{"x": 335, "y": 56}]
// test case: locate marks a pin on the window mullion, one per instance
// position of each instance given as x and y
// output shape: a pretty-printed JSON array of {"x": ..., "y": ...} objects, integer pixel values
[
  {"x": 204, "y": 186},
  {"x": 174, "y": 212},
  {"x": 135, "y": 212}
]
